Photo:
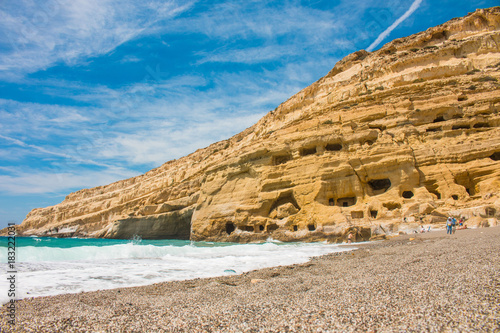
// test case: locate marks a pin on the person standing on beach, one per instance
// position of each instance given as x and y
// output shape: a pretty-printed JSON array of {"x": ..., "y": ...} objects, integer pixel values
[
  {"x": 453, "y": 225},
  {"x": 349, "y": 238},
  {"x": 448, "y": 226}
]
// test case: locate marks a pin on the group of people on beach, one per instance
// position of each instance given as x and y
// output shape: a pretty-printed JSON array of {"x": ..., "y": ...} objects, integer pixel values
[
  {"x": 451, "y": 225},
  {"x": 422, "y": 229}
]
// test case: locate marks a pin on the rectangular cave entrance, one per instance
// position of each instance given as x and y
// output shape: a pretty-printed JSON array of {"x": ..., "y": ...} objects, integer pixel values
[
  {"x": 281, "y": 159},
  {"x": 357, "y": 215},
  {"x": 433, "y": 129},
  {"x": 308, "y": 151},
  {"x": 248, "y": 228},
  {"x": 333, "y": 147},
  {"x": 346, "y": 202},
  {"x": 392, "y": 205},
  {"x": 459, "y": 127}
]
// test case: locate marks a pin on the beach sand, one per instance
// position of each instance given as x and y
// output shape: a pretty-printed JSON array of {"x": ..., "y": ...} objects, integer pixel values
[{"x": 420, "y": 282}]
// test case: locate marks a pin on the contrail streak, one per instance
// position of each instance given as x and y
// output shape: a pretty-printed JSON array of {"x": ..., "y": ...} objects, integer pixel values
[
  {"x": 43, "y": 150},
  {"x": 414, "y": 6}
]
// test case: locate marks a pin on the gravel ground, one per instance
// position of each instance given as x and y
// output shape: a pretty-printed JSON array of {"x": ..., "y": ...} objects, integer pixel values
[{"x": 427, "y": 282}]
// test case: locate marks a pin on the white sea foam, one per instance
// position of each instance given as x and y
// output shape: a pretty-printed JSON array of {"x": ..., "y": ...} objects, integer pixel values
[{"x": 44, "y": 271}]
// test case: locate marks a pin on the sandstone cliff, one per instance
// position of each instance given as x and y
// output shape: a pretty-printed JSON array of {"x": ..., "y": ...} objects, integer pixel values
[{"x": 387, "y": 139}]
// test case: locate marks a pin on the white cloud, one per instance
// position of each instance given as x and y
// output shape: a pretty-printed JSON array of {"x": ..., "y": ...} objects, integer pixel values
[
  {"x": 140, "y": 125},
  {"x": 158, "y": 144},
  {"x": 43, "y": 182},
  {"x": 42, "y": 34},
  {"x": 250, "y": 55}
]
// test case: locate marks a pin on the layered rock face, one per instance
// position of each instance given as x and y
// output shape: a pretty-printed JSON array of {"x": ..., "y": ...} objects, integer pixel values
[{"x": 385, "y": 141}]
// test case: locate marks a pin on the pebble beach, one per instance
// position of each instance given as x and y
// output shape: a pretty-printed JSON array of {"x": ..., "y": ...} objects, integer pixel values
[{"x": 430, "y": 282}]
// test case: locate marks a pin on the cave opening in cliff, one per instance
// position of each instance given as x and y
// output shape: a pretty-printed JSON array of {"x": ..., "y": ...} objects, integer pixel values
[
  {"x": 495, "y": 156},
  {"x": 432, "y": 187},
  {"x": 283, "y": 199},
  {"x": 369, "y": 142},
  {"x": 261, "y": 227},
  {"x": 454, "y": 197},
  {"x": 490, "y": 211},
  {"x": 392, "y": 205},
  {"x": 380, "y": 185},
  {"x": 481, "y": 125},
  {"x": 407, "y": 194},
  {"x": 281, "y": 159},
  {"x": 467, "y": 181},
  {"x": 459, "y": 127},
  {"x": 311, "y": 227},
  {"x": 230, "y": 228},
  {"x": 271, "y": 227},
  {"x": 374, "y": 213},
  {"x": 346, "y": 202},
  {"x": 248, "y": 228},
  {"x": 308, "y": 151},
  {"x": 295, "y": 228},
  {"x": 434, "y": 129},
  {"x": 357, "y": 215},
  {"x": 331, "y": 202},
  {"x": 438, "y": 119},
  {"x": 333, "y": 147}
]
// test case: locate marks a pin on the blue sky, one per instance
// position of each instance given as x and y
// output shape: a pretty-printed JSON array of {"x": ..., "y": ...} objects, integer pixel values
[{"x": 94, "y": 91}]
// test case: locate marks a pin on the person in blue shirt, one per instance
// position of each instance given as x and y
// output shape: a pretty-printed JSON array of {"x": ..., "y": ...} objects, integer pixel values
[
  {"x": 448, "y": 225},
  {"x": 453, "y": 225}
]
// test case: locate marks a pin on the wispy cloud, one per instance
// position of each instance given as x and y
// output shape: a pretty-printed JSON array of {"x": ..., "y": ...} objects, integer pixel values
[
  {"x": 28, "y": 181},
  {"x": 159, "y": 122},
  {"x": 41, "y": 34}
]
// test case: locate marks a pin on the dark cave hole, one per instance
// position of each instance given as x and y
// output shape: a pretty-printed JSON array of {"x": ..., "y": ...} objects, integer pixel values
[
  {"x": 380, "y": 184},
  {"x": 308, "y": 151},
  {"x": 333, "y": 147},
  {"x": 407, "y": 194},
  {"x": 230, "y": 228},
  {"x": 346, "y": 202}
]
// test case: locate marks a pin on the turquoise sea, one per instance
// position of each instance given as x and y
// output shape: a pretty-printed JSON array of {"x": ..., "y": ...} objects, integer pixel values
[{"x": 50, "y": 266}]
